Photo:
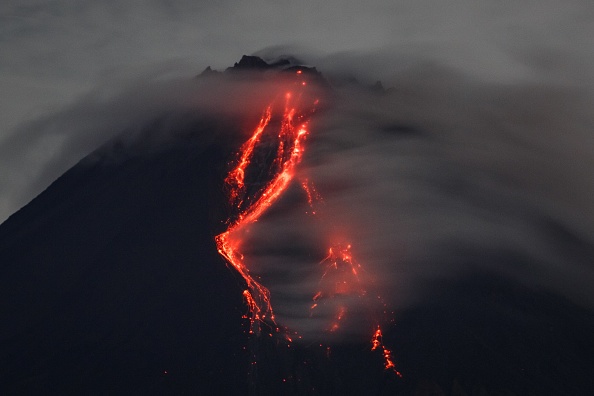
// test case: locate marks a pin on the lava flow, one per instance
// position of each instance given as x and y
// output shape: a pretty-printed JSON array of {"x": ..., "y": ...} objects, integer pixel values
[
  {"x": 377, "y": 343},
  {"x": 340, "y": 281},
  {"x": 264, "y": 167},
  {"x": 249, "y": 200}
]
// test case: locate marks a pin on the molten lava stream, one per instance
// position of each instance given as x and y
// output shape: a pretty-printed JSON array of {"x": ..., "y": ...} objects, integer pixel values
[
  {"x": 377, "y": 343},
  {"x": 248, "y": 206},
  {"x": 280, "y": 134},
  {"x": 342, "y": 278}
]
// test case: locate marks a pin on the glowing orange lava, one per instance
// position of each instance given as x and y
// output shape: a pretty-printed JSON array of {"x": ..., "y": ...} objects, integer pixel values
[
  {"x": 249, "y": 206},
  {"x": 377, "y": 343},
  {"x": 272, "y": 152},
  {"x": 236, "y": 177}
]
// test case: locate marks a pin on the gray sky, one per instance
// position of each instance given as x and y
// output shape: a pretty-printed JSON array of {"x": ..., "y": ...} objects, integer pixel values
[{"x": 56, "y": 52}]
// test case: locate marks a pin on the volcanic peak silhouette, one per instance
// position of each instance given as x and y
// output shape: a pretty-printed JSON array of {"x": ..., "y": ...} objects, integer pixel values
[{"x": 110, "y": 283}]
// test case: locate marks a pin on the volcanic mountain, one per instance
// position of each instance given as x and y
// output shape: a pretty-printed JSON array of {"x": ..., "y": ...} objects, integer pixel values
[{"x": 111, "y": 283}]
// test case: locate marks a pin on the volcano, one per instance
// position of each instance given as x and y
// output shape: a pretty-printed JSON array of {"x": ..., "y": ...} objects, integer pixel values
[{"x": 111, "y": 282}]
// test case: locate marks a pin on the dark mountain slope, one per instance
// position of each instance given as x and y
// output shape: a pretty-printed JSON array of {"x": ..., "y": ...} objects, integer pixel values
[{"x": 110, "y": 278}]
